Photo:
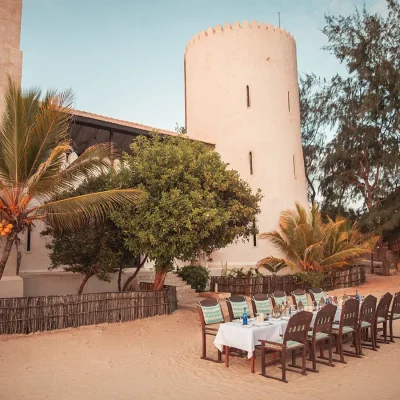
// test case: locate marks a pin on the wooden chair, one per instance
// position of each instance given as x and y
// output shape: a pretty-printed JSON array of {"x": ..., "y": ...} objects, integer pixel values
[
  {"x": 236, "y": 306},
  {"x": 210, "y": 315},
  {"x": 295, "y": 338},
  {"x": 382, "y": 313},
  {"x": 367, "y": 323},
  {"x": 322, "y": 333},
  {"x": 261, "y": 304},
  {"x": 300, "y": 295},
  {"x": 348, "y": 324},
  {"x": 316, "y": 295},
  {"x": 278, "y": 297},
  {"x": 394, "y": 314}
]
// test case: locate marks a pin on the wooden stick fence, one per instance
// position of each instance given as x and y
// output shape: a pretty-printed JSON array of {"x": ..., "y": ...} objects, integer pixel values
[
  {"x": 33, "y": 314},
  {"x": 346, "y": 277}
]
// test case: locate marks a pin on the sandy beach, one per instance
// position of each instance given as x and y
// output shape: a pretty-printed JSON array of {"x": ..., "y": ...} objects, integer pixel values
[{"x": 159, "y": 358}]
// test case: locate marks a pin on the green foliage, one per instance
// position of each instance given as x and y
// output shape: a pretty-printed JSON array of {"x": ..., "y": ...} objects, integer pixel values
[
  {"x": 310, "y": 245},
  {"x": 195, "y": 275},
  {"x": 314, "y": 96},
  {"x": 363, "y": 159},
  {"x": 33, "y": 147},
  {"x": 312, "y": 279},
  {"x": 97, "y": 249},
  {"x": 195, "y": 204}
]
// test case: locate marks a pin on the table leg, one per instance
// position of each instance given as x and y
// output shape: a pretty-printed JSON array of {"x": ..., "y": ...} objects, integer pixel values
[
  {"x": 226, "y": 356},
  {"x": 252, "y": 362}
]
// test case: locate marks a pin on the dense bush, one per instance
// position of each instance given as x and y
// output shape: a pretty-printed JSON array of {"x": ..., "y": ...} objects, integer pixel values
[
  {"x": 311, "y": 279},
  {"x": 196, "y": 276}
]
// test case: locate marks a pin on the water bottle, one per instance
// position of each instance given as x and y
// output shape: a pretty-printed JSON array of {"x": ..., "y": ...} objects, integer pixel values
[
  {"x": 244, "y": 317},
  {"x": 290, "y": 310},
  {"x": 357, "y": 296}
]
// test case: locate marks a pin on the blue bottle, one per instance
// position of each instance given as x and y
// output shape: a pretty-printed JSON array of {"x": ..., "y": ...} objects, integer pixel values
[
  {"x": 290, "y": 310},
  {"x": 244, "y": 317},
  {"x": 357, "y": 296}
]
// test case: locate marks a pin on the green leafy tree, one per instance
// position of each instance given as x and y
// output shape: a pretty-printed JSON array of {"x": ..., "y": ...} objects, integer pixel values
[
  {"x": 363, "y": 160},
  {"x": 33, "y": 147},
  {"x": 310, "y": 245},
  {"x": 97, "y": 248},
  {"x": 314, "y": 117},
  {"x": 195, "y": 204}
]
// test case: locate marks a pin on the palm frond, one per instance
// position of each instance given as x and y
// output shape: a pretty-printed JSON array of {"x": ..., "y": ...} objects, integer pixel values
[{"x": 72, "y": 213}]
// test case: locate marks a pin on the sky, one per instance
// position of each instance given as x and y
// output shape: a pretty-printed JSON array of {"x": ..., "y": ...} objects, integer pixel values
[{"x": 124, "y": 58}]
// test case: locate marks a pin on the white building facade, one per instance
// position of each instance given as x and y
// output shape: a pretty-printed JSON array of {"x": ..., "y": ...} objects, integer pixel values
[{"x": 241, "y": 94}]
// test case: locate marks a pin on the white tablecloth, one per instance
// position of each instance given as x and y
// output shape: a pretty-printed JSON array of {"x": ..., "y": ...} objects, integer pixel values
[{"x": 234, "y": 334}]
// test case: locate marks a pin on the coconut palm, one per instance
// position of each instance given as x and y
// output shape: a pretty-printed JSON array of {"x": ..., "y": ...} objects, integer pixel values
[
  {"x": 33, "y": 168},
  {"x": 309, "y": 244}
]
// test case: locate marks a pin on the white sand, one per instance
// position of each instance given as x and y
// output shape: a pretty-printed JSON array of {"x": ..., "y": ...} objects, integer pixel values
[{"x": 158, "y": 358}]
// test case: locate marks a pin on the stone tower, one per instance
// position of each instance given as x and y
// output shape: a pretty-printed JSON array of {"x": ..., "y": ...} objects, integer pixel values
[
  {"x": 10, "y": 54},
  {"x": 241, "y": 93}
]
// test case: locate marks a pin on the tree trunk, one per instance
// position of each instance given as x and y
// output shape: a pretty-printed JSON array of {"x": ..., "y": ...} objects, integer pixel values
[
  {"x": 85, "y": 279},
  {"x": 131, "y": 278},
  {"x": 19, "y": 254},
  {"x": 119, "y": 278},
  {"x": 6, "y": 252},
  {"x": 159, "y": 280}
]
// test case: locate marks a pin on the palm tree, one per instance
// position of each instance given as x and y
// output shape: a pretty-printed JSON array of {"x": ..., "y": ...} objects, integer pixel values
[
  {"x": 33, "y": 169},
  {"x": 308, "y": 244}
]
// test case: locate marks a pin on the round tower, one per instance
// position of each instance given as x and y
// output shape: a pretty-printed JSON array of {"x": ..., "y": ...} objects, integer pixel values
[{"x": 241, "y": 93}]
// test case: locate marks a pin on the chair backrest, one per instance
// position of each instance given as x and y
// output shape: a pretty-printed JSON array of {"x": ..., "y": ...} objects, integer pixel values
[
  {"x": 368, "y": 309},
  {"x": 324, "y": 320},
  {"x": 278, "y": 297},
  {"x": 384, "y": 305},
  {"x": 236, "y": 306},
  {"x": 261, "y": 303},
  {"x": 349, "y": 315},
  {"x": 298, "y": 326},
  {"x": 300, "y": 295},
  {"x": 317, "y": 294},
  {"x": 210, "y": 312},
  {"x": 396, "y": 305}
]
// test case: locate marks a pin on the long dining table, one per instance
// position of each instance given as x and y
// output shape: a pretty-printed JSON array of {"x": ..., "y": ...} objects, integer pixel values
[{"x": 246, "y": 337}]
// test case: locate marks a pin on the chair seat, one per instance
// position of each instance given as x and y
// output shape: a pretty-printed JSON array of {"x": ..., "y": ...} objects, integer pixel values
[
  {"x": 396, "y": 316},
  {"x": 278, "y": 344},
  {"x": 380, "y": 319},
  {"x": 318, "y": 335},
  {"x": 345, "y": 329},
  {"x": 365, "y": 324}
]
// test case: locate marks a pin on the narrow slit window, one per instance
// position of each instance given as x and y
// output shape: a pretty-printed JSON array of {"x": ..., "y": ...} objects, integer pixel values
[
  {"x": 254, "y": 234},
  {"x": 294, "y": 168},
  {"x": 288, "y": 100},
  {"x": 248, "y": 96},
  {"x": 251, "y": 162},
  {"x": 28, "y": 239}
]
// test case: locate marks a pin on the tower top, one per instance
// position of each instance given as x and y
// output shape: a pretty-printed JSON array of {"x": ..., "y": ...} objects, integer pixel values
[
  {"x": 10, "y": 23},
  {"x": 237, "y": 26}
]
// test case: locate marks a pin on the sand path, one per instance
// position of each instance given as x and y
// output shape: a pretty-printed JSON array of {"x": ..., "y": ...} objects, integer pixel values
[{"x": 158, "y": 358}]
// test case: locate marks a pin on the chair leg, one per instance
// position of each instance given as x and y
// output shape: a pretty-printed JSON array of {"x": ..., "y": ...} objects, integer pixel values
[
  {"x": 356, "y": 344},
  {"x": 219, "y": 356},
  {"x": 284, "y": 366},
  {"x": 321, "y": 350},
  {"x": 341, "y": 348},
  {"x": 391, "y": 330},
  {"x": 294, "y": 358},
  {"x": 204, "y": 346},
  {"x": 313, "y": 355},
  {"x": 330, "y": 351},
  {"x": 263, "y": 359},
  {"x": 373, "y": 338}
]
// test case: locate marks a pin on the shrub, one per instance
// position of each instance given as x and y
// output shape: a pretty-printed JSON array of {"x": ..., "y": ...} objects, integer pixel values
[
  {"x": 196, "y": 276},
  {"x": 311, "y": 279}
]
